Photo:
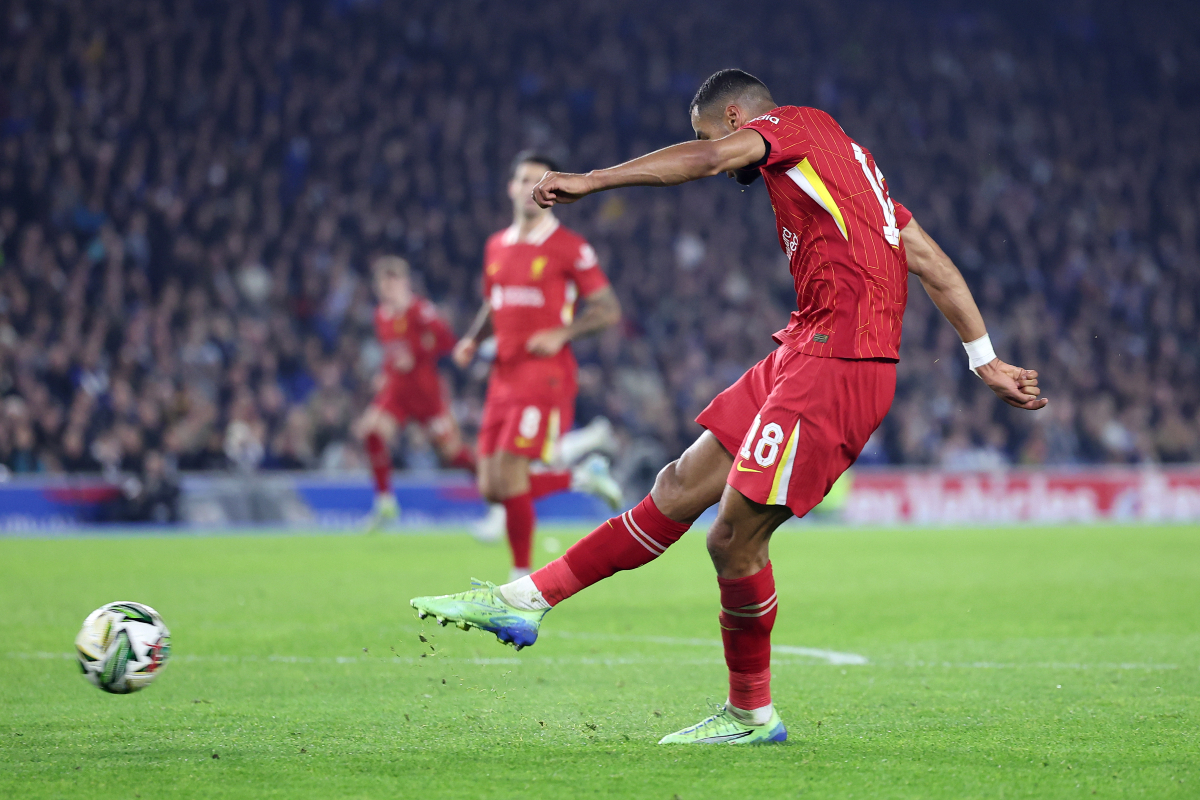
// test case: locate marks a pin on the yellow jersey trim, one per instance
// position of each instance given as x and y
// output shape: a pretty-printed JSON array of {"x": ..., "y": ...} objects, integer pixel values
[
  {"x": 783, "y": 473},
  {"x": 804, "y": 176}
]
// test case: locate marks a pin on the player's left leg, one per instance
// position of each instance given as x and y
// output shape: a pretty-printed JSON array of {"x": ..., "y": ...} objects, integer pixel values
[{"x": 738, "y": 544}]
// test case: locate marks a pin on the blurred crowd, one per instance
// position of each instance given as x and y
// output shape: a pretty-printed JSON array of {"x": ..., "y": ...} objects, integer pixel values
[{"x": 191, "y": 192}]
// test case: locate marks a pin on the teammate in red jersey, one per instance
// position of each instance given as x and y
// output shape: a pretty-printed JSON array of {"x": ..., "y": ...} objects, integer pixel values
[
  {"x": 413, "y": 336},
  {"x": 781, "y": 435},
  {"x": 534, "y": 271}
]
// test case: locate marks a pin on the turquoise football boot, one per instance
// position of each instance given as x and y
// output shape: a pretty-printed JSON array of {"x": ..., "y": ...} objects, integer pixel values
[
  {"x": 482, "y": 607},
  {"x": 724, "y": 728}
]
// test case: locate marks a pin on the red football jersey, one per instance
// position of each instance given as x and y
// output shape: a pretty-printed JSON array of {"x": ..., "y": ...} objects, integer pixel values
[
  {"x": 413, "y": 342},
  {"x": 532, "y": 285},
  {"x": 841, "y": 233}
]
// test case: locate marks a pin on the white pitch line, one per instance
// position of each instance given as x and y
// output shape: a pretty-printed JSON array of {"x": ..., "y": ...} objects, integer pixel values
[{"x": 1035, "y": 665}]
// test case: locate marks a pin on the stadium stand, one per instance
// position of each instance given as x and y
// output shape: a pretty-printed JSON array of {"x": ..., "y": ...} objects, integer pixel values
[{"x": 189, "y": 197}]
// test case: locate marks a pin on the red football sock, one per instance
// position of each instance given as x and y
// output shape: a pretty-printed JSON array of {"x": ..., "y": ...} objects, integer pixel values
[
  {"x": 544, "y": 483},
  {"x": 380, "y": 460},
  {"x": 629, "y": 541},
  {"x": 464, "y": 459},
  {"x": 521, "y": 519},
  {"x": 748, "y": 608}
]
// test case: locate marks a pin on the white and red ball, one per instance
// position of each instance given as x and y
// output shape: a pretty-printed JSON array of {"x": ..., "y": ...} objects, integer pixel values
[{"x": 123, "y": 646}]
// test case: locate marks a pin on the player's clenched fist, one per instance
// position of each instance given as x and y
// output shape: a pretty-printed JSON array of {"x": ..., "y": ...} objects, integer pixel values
[
  {"x": 561, "y": 188},
  {"x": 1014, "y": 385}
]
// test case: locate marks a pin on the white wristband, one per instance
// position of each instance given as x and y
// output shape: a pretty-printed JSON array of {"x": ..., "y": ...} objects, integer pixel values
[{"x": 979, "y": 352}]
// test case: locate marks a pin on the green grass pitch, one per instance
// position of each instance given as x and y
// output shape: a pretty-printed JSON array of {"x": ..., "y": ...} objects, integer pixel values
[{"x": 1035, "y": 662}]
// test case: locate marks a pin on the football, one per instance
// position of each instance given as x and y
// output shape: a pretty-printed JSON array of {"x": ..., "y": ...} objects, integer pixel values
[{"x": 122, "y": 647}]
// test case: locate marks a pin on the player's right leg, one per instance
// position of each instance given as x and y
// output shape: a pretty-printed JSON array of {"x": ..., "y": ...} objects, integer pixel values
[
  {"x": 375, "y": 428},
  {"x": 682, "y": 492}
]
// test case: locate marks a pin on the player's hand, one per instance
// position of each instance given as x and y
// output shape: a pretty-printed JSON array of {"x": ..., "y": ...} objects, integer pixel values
[
  {"x": 561, "y": 188},
  {"x": 1015, "y": 386},
  {"x": 464, "y": 352},
  {"x": 548, "y": 342}
]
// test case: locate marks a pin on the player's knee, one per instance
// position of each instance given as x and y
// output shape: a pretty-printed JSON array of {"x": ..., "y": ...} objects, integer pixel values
[
  {"x": 486, "y": 487},
  {"x": 668, "y": 488},
  {"x": 719, "y": 542},
  {"x": 493, "y": 482},
  {"x": 683, "y": 494},
  {"x": 372, "y": 423}
]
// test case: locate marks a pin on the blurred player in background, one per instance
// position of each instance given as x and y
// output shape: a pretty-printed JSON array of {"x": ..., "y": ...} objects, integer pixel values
[
  {"x": 777, "y": 440},
  {"x": 534, "y": 272},
  {"x": 413, "y": 337}
]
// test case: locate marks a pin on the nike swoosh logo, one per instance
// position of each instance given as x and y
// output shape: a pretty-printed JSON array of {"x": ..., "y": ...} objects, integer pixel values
[
  {"x": 728, "y": 737},
  {"x": 740, "y": 468}
]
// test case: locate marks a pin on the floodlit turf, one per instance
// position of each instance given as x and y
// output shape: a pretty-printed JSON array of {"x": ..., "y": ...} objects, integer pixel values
[{"x": 1048, "y": 662}]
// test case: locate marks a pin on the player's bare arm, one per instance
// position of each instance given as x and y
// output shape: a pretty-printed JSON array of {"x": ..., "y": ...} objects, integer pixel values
[
  {"x": 465, "y": 350},
  {"x": 679, "y": 163},
  {"x": 601, "y": 309},
  {"x": 949, "y": 292}
]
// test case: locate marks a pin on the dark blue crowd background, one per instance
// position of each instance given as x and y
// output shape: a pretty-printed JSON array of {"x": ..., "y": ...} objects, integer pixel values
[{"x": 190, "y": 193}]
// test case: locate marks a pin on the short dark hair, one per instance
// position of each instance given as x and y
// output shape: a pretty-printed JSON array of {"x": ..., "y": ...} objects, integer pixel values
[
  {"x": 726, "y": 85},
  {"x": 533, "y": 157}
]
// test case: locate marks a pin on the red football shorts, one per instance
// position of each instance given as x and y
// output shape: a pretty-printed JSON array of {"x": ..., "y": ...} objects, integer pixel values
[
  {"x": 525, "y": 429},
  {"x": 794, "y": 423},
  {"x": 407, "y": 400}
]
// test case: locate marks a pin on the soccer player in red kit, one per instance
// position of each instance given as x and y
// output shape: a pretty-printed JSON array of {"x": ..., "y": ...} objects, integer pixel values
[
  {"x": 413, "y": 336},
  {"x": 778, "y": 438},
  {"x": 534, "y": 272}
]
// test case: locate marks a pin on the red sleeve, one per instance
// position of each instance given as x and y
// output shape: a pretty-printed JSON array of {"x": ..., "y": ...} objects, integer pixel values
[
  {"x": 585, "y": 269},
  {"x": 903, "y": 215},
  {"x": 784, "y": 132}
]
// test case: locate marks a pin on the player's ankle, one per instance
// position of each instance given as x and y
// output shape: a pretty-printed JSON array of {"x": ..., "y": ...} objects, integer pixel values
[
  {"x": 751, "y": 716},
  {"x": 523, "y": 594}
]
